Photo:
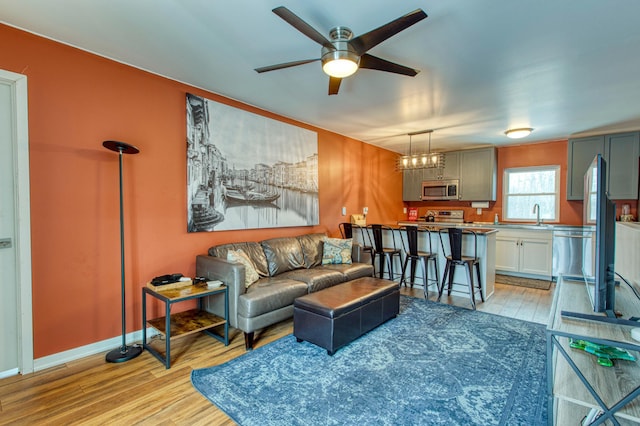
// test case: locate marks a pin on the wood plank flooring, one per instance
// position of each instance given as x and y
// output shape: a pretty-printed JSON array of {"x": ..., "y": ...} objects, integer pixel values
[{"x": 141, "y": 391}]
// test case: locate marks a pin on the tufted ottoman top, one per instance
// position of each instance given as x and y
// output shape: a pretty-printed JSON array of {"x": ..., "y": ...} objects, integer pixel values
[{"x": 334, "y": 301}]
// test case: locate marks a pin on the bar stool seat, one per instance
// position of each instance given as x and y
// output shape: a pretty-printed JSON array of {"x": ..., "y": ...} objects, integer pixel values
[
  {"x": 415, "y": 256},
  {"x": 384, "y": 253},
  {"x": 457, "y": 259}
]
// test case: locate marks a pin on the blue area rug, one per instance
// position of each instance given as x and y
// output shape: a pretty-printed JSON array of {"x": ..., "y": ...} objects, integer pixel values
[{"x": 434, "y": 364}]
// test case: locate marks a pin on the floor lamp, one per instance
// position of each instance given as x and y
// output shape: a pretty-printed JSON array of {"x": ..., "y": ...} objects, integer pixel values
[{"x": 124, "y": 352}]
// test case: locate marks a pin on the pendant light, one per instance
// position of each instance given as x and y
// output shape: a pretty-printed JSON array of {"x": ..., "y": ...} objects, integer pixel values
[{"x": 426, "y": 160}]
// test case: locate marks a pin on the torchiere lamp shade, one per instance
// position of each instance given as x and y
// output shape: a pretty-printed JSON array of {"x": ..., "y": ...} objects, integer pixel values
[{"x": 122, "y": 147}]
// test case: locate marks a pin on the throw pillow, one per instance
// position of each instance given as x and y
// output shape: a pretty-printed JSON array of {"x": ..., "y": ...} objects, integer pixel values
[
  {"x": 250, "y": 273},
  {"x": 336, "y": 250}
]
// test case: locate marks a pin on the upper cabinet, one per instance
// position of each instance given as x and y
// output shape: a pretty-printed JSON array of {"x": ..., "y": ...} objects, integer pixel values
[
  {"x": 451, "y": 169},
  {"x": 412, "y": 179},
  {"x": 412, "y": 185},
  {"x": 478, "y": 170},
  {"x": 621, "y": 152}
]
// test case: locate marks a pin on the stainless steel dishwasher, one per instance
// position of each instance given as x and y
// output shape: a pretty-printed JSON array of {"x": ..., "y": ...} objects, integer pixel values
[{"x": 567, "y": 251}]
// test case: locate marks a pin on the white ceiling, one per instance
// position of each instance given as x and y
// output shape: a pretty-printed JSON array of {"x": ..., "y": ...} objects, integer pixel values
[{"x": 564, "y": 67}]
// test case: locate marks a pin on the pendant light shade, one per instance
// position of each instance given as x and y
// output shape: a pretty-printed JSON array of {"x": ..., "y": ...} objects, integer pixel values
[{"x": 426, "y": 160}]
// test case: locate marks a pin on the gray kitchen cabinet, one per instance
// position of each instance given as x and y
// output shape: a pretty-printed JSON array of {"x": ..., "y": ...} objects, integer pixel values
[
  {"x": 412, "y": 179},
  {"x": 412, "y": 185},
  {"x": 451, "y": 169},
  {"x": 620, "y": 151},
  {"x": 478, "y": 174}
]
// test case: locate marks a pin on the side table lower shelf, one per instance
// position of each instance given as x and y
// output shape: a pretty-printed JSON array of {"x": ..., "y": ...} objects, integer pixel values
[{"x": 184, "y": 323}]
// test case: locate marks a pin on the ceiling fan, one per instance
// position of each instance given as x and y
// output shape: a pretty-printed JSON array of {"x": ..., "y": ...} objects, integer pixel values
[{"x": 343, "y": 55}]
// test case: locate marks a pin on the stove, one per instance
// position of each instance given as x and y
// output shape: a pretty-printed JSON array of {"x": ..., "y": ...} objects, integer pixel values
[{"x": 448, "y": 216}]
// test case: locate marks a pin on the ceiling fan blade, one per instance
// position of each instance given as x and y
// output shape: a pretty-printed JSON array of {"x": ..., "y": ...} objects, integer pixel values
[
  {"x": 302, "y": 26},
  {"x": 368, "y": 40},
  {"x": 285, "y": 65},
  {"x": 334, "y": 85},
  {"x": 374, "y": 63}
]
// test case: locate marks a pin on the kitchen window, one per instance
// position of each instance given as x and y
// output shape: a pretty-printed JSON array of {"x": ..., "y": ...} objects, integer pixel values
[{"x": 525, "y": 187}]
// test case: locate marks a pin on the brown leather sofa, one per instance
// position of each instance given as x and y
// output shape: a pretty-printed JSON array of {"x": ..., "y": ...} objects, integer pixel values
[{"x": 288, "y": 268}]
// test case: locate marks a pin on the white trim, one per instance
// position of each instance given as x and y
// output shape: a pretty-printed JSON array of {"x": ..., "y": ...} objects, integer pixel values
[
  {"x": 18, "y": 83},
  {"x": 88, "y": 350},
  {"x": 9, "y": 373}
]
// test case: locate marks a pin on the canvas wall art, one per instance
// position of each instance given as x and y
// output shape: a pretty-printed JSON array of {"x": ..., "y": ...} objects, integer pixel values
[{"x": 247, "y": 171}]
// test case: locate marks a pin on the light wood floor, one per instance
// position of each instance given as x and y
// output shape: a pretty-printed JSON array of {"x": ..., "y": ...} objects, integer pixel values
[{"x": 141, "y": 391}]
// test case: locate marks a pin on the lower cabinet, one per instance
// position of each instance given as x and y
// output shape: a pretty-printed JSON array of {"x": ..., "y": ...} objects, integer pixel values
[{"x": 524, "y": 253}]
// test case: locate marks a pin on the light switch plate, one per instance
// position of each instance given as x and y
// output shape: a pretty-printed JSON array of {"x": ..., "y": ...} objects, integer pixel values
[
  {"x": 365, "y": 210},
  {"x": 344, "y": 211}
]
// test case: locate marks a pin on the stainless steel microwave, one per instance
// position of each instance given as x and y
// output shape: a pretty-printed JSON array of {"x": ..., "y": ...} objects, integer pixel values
[{"x": 440, "y": 190}]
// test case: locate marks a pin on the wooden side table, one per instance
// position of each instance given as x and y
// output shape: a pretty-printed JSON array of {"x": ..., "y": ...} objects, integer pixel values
[{"x": 187, "y": 322}]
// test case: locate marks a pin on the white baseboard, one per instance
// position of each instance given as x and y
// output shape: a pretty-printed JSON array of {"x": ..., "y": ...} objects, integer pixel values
[
  {"x": 87, "y": 350},
  {"x": 9, "y": 373}
]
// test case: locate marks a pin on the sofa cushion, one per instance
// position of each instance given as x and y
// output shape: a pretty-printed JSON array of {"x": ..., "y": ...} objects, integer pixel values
[
  {"x": 250, "y": 273},
  {"x": 312, "y": 245},
  {"x": 351, "y": 271},
  {"x": 336, "y": 251},
  {"x": 315, "y": 278},
  {"x": 282, "y": 254},
  {"x": 252, "y": 249},
  {"x": 269, "y": 294}
]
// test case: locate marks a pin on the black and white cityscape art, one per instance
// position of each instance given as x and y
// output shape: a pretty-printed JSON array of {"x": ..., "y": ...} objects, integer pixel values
[{"x": 247, "y": 171}]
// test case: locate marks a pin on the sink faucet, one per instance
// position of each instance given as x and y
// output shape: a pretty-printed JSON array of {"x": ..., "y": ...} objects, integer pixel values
[{"x": 536, "y": 210}]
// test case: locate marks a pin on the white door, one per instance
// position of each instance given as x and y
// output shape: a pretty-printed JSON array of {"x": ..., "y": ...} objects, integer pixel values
[
  {"x": 9, "y": 300},
  {"x": 16, "y": 341}
]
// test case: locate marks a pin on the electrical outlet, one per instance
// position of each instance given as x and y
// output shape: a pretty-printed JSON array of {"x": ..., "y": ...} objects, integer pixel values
[
  {"x": 404, "y": 210},
  {"x": 365, "y": 210},
  {"x": 344, "y": 211}
]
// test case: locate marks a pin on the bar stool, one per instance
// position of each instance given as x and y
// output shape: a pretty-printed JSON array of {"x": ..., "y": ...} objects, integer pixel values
[
  {"x": 346, "y": 230},
  {"x": 456, "y": 258},
  {"x": 415, "y": 256},
  {"x": 367, "y": 245},
  {"x": 384, "y": 253}
]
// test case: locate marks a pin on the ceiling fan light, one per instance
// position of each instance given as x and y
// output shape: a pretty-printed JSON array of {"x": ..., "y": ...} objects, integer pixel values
[
  {"x": 518, "y": 133},
  {"x": 341, "y": 62},
  {"x": 340, "y": 68}
]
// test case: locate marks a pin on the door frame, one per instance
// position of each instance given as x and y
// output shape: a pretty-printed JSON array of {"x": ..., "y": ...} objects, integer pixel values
[{"x": 22, "y": 205}]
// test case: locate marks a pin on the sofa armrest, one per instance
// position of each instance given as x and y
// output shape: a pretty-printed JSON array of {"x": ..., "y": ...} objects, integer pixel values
[
  {"x": 358, "y": 255},
  {"x": 232, "y": 275}
]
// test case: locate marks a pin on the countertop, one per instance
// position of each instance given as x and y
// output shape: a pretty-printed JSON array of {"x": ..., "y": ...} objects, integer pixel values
[
  {"x": 498, "y": 226},
  {"x": 432, "y": 226}
]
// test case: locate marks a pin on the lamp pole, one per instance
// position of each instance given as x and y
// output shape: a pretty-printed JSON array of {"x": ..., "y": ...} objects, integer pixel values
[{"x": 124, "y": 352}]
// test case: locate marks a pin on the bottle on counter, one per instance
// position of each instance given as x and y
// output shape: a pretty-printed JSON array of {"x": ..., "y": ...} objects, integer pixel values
[{"x": 495, "y": 219}]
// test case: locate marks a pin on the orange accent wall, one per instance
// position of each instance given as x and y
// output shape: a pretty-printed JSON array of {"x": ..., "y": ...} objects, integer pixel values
[{"x": 76, "y": 101}]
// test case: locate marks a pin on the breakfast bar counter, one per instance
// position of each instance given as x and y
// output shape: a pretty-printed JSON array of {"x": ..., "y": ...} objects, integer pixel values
[{"x": 486, "y": 252}]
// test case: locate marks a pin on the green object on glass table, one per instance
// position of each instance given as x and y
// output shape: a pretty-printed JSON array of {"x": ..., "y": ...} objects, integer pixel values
[{"x": 605, "y": 354}]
